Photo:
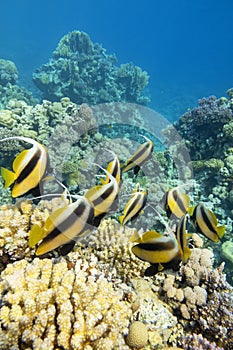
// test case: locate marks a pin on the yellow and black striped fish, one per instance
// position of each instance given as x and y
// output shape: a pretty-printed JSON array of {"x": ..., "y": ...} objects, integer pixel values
[
  {"x": 29, "y": 167},
  {"x": 103, "y": 197},
  {"x": 206, "y": 223},
  {"x": 161, "y": 251},
  {"x": 181, "y": 236},
  {"x": 63, "y": 227},
  {"x": 142, "y": 154},
  {"x": 134, "y": 206},
  {"x": 176, "y": 203},
  {"x": 114, "y": 168}
]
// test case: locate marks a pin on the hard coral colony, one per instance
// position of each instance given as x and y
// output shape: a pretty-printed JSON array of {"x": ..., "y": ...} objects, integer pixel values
[{"x": 96, "y": 296}]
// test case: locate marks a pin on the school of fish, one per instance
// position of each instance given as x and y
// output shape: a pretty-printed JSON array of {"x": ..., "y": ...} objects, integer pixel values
[{"x": 66, "y": 225}]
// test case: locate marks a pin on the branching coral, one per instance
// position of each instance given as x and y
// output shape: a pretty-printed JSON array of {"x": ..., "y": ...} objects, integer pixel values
[{"x": 45, "y": 306}]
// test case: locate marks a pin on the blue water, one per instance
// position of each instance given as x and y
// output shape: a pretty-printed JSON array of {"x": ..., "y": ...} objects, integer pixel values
[{"x": 185, "y": 46}]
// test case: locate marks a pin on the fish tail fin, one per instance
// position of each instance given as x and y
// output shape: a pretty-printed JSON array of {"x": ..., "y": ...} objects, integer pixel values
[
  {"x": 121, "y": 219},
  {"x": 187, "y": 253},
  {"x": 35, "y": 235},
  {"x": 135, "y": 238},
  {"x": 221, "y": 230},
  {"x": 190, "y": 210},
  {"x": 8, "y": 176}
]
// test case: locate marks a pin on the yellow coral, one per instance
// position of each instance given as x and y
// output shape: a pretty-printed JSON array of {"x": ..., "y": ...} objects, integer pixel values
[
  {"x": 138, "y": 336},
  {"x": 47, "y": 306}
]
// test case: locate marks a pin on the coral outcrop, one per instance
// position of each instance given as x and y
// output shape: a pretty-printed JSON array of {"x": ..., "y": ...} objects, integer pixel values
[
  {"x": 46, "y": 305},
  {"x": 8, "y": 85},
  {"x": 83, "y": 71},
  {"x": 201, "y": 294}
]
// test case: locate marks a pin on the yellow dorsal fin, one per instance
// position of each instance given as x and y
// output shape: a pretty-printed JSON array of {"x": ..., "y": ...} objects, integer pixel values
[
  {"x": 50, "y": 221},
  {"x": 35, "y": 235},
  {"x": 19, "y": 159},
  {"x": 8, "y": 176},
  {"x": 147, "y": 236}
]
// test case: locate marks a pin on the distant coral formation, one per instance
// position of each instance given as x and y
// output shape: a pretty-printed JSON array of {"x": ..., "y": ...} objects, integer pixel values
[
  {"x": 83, "y": 71},
  {"x": 8, "y": 85}
]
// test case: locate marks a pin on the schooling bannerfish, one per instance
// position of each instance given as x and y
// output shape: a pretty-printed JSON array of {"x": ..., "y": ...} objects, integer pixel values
[
  {"x": 63, "y": 227},
  {"x": 206, "y": 223},
  {"x": 161, "y": 251},
  {"x": 29, "y": 167},
  {"x": 142, "y": 154},
  {"x": 176, "y": 203},
  {"x": 114, "y": 168},
  {"x": 134, "y": 206},
  {"x": 181, "y": 236},
  {"x": 103, "y": 197}
]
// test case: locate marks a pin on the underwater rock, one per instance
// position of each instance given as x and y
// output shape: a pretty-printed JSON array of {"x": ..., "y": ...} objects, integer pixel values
[
  {"x": 8, "y": 72},
  {"x": 83, "y": 71},
  {"x": 227, "y": 251}
]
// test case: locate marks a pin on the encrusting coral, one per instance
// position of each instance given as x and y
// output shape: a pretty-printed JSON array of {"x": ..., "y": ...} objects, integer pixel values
[{"x": 46, "y": 305}]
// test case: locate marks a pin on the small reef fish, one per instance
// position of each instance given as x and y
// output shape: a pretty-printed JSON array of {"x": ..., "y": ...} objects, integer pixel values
[
  {"x": 63, "y": 227},
  {"x": 29, "y": 168},
  {"x": 181, "y": 236},
  {"x": 103, "y": 197},
  {"x": 142, "y": 154},
  {"x": 134, "y": 206},
  {"x": 114, "y": 168},
  {"x": 206, "y": 223},
  {"x": 161, "y": 251},
  {"x": 176, "y": 203}
]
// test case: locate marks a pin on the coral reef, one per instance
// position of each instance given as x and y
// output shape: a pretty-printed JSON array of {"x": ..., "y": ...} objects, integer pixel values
[
  {"x": 8, "y": 72},
  {"x": 46, "y": 305},
  {"x": 197, "y": 342},
  {"x": 8, "y": 85},
  {"x": 201, "y": 294},
  {"x": 85, "y": 73},
  {"x": 15, "y": 222}
]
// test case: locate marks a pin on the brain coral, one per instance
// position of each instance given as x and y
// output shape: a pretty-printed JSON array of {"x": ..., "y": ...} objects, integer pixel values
[{"x": 46, "y": 305}]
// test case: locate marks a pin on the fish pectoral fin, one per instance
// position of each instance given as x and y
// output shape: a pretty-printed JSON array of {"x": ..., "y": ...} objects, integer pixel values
[
  {"x": 221, "y": 230},
  {"x": 8, "y": 176},
  {"x": 160, "y": 267},
  {"x": 36, "y": 234}
]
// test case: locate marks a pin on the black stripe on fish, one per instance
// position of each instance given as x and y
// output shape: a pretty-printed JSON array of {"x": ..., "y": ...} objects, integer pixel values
[
  {"x": 205, "y": 219},
  {"x": 160, "y": 246},
  {"x": 178, "y": 200},
  {"x": 107, "y": 193},
  {"x": 29, "y": 167},
  {"x": 181, "y": 230},
  {"x": 69, "y": 221},
  {"x": 139, "y": 154}
]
